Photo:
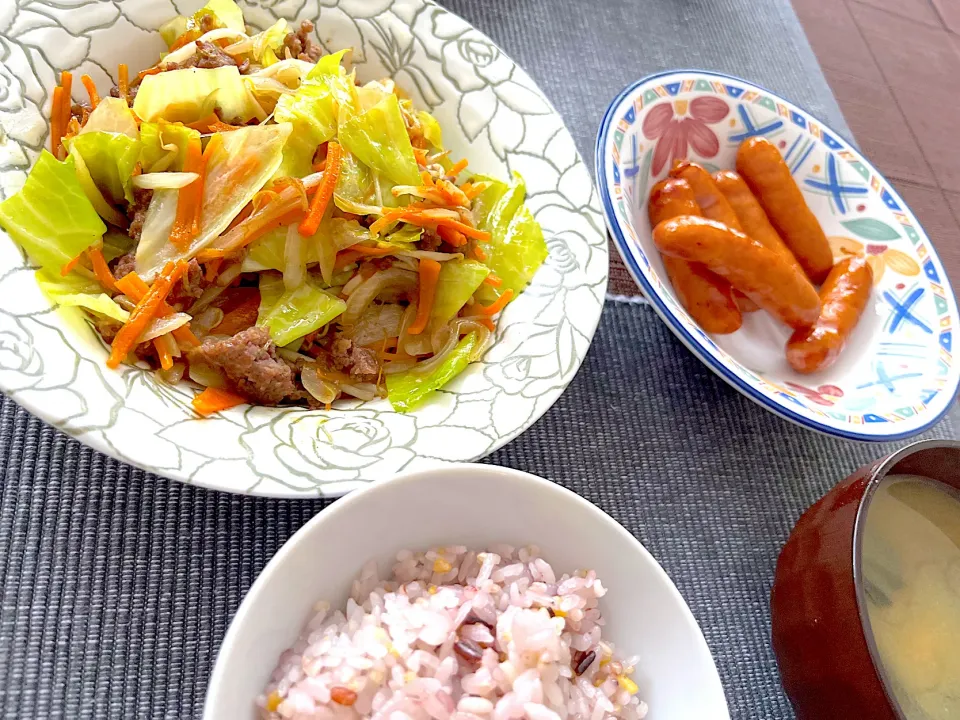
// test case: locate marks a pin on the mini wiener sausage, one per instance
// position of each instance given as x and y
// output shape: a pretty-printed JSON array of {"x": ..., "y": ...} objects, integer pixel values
[
  {"x": 715, "y": 207},
  {"x": 763, "y": 168},
  {"x": 752, "y": 217},
  {"x": 705, "y": 295},
  {"x": 759, "y": 273},
  {"x": 711, "y": 201},
  {"x": 844, "y": 296}
]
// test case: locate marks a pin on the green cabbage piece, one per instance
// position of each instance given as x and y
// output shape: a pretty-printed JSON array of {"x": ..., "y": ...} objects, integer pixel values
[
  {"x": 112, "y": 115},
  {"x": 227, "y": 13},
  {"x": 266, "y": 42},
  {"x": 116, "y": 244},
  {"x": 291, "y": 314},
  {"x": 190, "y": 94},
  {"x": 458, "y": 281},
  {"x": 408, "y": 390},
  {"x": 172, "y": 29},
  {"x": 378, "y": 138},
  {"x": 236, "y": 171},
  {"x": 110, "y": 159},
  {"x": 516, "y": 248},
  {"x": 77, "y": 291},
  {"x": 312, "y": 111},
  {"x": 431, "y": 129},
  {"x": 164, "y": 146},
  {"x": 50, "y": 217}
]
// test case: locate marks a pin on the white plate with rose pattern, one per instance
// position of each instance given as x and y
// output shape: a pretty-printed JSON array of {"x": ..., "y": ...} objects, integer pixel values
[
  {"x": 491, "y": 112},
  {"x": 896, "y": 377}
]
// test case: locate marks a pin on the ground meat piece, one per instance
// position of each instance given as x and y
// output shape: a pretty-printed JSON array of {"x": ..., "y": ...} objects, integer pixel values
[
  {"x": 137, "y": 212},
  {"x": 207, "y": 57},
  {"x": 80, "y": 111},
  {"x": 132, "y": 90},
  {"x": 429, "y": 240},
  {"x": 107, "y": 328},
  {"x": 345, "y": 356},
  {"x": 301, "y": 45},
  {"x": 249, "y": 360},
  {"x": 191, "y": 285},
  {"x": 124, "y": 265}
]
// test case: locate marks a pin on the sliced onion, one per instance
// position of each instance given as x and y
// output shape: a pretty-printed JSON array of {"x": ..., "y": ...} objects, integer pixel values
[
  {"x": 378, "y": 322},
  {"x": 125, "y": 302},
  {"x": 394, "y": 279},
  {"x": 207, "y": 297},
  {"x": 174, "y": 375},
  {"x": 206, "y": 320},
  {"x": 352, "y": 284},
  {"x": 229, "y": 274},
  {"x": 164, "y": 180},
  {"x": 206, "y": 375},
  {"x": 161, "y": 326},
  {"x": 169, "y": 344},
  {"x": 294, "y": 268},
  {"x": 322, "y": 390},
  {"x": 188, "y": 50},
  {"x": 449, "y": 335},
  {"x": 361, "y": 391},
  {"x": 429, "y": 255},
  {"x": 398, "y": 366},
  {"x": 292, "y": 68}
]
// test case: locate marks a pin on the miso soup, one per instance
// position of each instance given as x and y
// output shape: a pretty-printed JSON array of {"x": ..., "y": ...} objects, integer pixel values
[{"x": 911, "y": 580}]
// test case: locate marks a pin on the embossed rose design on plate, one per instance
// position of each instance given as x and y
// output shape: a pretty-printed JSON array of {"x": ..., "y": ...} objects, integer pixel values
[{"x": 491, "y": 113}]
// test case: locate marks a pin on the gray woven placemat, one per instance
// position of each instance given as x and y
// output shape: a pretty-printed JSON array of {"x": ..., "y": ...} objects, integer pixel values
[{"x": 116, "y": 586}]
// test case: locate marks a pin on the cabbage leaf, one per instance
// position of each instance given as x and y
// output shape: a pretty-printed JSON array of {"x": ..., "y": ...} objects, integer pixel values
[
  {"x": 408, "y": 390},
  {"x": 236, "y": 171},
  {"x": 458, "y": 281},
  {"x": 190, "y": 94},
  {"x": 378, "y": 138},
  {"x": 77, "y": 291},
  {"x": 109, "y": 158},
  {"x": 164, "y": 146},
  {"x": 112, "y": 115},
  {"x": 291, "y": 314},
  {"x": 50, "y": 217}
]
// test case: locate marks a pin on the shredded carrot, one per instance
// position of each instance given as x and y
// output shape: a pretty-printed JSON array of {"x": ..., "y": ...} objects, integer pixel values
[
  {"x": 212, "y": 269},
  {"x": 133, "y": 286},
  {"x": 429, "y": 274},
  {"x": 493, "y": 281},
  {"x": 318, "y": 206},
  {"x": 458, "y": 168},
  {"x": 100, "y": 268},
  {"x": 188, "y": 36},
  {"x": 91, "y": 90},
  {"x": 355, "y": 253},
  {"x": 487, "y": 322},
  {"x": 163, "y": 353},
  {"x": 149, "y": 71},
  {"x": 421, "y": 217},
  {"x": 451, "y": 236},
  {"x": 190, "y": 198},
  {"x": 241, "y": 216},
  {"x": 70, "y": 265},
  {"x": 56, "y": 130},
  {"x": 499, "y": 304},
  {"x": 212, "y": 124},
  {"x": 123, "y": 81},
  {"x": 472, "y": 190},
  {"x": 213, "y": 400},
  {"x": 320, "y": 166},
  {"x": 241, "y": 317},
  {"x": 478, "y": 253},
  {"x": 66, "y": 82},
  {"x": 421, "y": 156},
  {"x": 73, "y": 129},
  {"x": 148, "y": 307}
]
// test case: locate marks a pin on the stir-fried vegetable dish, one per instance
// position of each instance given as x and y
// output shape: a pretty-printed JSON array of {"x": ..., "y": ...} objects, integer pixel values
[{"x": 246, "y": 215}]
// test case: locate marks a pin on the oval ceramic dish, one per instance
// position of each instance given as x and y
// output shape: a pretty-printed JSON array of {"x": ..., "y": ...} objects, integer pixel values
[
  {"x": 896, "y": 377},
  {"x": 491, "y": 113}
]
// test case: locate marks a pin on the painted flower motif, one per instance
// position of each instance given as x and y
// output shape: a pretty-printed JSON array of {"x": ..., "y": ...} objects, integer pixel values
[
  {"x": 826, "y": 395},
  {"x": 879, "y": 256},
  {"x": 680, "y": 124},
  {"x": 354, "y": 445}
]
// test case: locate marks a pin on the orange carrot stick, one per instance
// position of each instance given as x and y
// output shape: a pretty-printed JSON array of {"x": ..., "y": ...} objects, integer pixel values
[
  {"x": 499, "y": 304},
  {"x": 148, "y": 307},
  {"x": 70, "y": 265},
  {"x": 56, "y": 130},
  {"x": 66, "y": 102},
  {"x": 493, "y": 281},
  {"x": 213, "y": 400},
  {"x": 458, "y": 168},
  {"x": 135, "y": 288},
  {"x": 318, "y": 206},
  {"x": 188, "y": 198},
  {"x": 212, "y": 269},
  {"x": 123, "y": 81},
  {"x": 429, "y": 274},
  {"x": 451, "y": 236},
  {"x": 100, "y": 268},
  {"x": 91, "y": 90},
  {"x": 163, "y": 353}
]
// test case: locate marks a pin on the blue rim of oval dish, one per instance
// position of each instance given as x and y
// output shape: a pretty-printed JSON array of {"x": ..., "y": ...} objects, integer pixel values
[{"x": 671, "y": 319}]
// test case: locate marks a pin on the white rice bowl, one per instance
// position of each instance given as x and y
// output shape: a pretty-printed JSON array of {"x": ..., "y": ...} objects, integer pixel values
[{"x": 458, "y": 635}]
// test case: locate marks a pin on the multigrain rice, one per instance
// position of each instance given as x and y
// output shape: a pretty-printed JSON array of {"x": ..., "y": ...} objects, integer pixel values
[{"x": 458, "y": 635}]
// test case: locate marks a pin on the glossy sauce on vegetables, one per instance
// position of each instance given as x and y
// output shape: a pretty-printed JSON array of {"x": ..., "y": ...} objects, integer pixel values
[{"x": 911, "y": 581}]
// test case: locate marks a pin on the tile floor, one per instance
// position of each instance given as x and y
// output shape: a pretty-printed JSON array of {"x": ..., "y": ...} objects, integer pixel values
[{"x": 894, "y": 66}]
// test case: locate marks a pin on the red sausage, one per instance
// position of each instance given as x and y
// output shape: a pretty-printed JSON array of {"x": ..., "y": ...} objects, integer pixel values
[
  {"x": 761, "y": 165},
  {"x": 759, "y": 273},
  {"x": 705, "y": 295},
  {"x": 844, "y": 296}
]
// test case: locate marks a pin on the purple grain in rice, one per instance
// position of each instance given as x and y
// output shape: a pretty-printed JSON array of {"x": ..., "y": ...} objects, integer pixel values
[{"x": 458, "y": 635}]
